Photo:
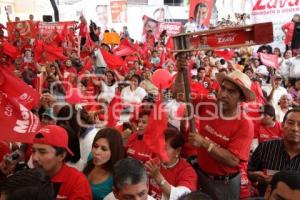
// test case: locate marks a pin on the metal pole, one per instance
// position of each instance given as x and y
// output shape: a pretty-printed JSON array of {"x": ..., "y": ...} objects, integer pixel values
[{"x": 55, "y": 9}]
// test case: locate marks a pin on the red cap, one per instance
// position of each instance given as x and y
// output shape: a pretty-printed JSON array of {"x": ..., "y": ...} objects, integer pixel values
[{"x": 55, "y": 136}]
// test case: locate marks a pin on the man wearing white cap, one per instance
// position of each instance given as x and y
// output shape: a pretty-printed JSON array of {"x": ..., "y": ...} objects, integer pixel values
[{"x": 224, "y": 137}]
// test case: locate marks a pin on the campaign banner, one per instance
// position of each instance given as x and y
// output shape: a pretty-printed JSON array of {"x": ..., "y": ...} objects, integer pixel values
[
  {"x": 118, "y": 11},
  {"x": 48, "y": 28},
  {"x": 172, "y": 28},
  {"x": 278, "y": 12},
  {"x": 23, "y": 29},
  {"x": 157, "y": 27},
  {"x": 201, "y": 11}
]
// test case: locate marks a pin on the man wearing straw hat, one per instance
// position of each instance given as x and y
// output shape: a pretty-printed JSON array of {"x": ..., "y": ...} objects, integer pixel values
[{"x": 224, "y": 136}]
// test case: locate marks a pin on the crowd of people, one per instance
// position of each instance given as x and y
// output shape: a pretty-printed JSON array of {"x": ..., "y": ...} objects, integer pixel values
[{"x": 246, "y": 142}]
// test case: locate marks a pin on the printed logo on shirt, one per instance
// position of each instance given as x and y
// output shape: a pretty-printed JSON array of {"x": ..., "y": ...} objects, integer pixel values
[{"x": 212, "y": 131}]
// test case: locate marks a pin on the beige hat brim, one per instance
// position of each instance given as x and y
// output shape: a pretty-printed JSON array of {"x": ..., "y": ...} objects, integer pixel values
[{"x": 249, "y": 95}]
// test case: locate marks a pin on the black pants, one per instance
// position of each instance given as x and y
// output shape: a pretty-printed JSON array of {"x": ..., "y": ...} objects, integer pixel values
[
  {"x": 220, "y": 190},
  {"x": 82, "y": 41}
]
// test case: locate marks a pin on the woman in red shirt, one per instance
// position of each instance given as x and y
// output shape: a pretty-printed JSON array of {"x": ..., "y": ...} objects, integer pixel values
[
  {"x": 136, "y": 147},
  {"x": 171, "y": 179}
]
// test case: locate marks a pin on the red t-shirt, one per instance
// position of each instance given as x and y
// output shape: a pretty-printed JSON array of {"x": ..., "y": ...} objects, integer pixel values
[
  {"x": 234, "y": 135},
  {"x": 82, "y": 29},
  {"x": 182, "y": 174},
  {"x": 197, "y": 90},
  {"x": 73, "y": 184},
  {"x": 265, "y": 133},
  {"x": 70, "y": 69},
  {"x": 290, "y": 30},
  {"x": 215, "y": 86},
  {"x": 206, "y": 83},
  {"x": 137, "y": 149}
]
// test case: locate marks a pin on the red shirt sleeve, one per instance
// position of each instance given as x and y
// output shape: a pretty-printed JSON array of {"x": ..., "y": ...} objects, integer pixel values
[{"x": 82, "y": 190}]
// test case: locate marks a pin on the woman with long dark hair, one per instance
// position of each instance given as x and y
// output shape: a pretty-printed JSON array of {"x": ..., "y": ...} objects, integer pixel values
[{"x": 107, "y": 149}]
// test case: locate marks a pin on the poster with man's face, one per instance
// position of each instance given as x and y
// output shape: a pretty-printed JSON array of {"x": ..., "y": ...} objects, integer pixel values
[
  {"x": 201, "y": 11},
  {"x": 102, "y": 15}
]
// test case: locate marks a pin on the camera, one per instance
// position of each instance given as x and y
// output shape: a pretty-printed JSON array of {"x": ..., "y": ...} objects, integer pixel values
[
  {"x": 13, "y": 157},
  {"x": 16, "y": 158}
]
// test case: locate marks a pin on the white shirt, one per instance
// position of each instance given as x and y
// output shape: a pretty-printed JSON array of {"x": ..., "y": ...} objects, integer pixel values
[
  {"x": 111, "y": 196},
  {"x": 291, "y": 67},
  {"x": 100, "y": 62},
  {"x": 190, "y": 27},
  {"x": 278, "y": 92},
  {"x": 131, "y": 97},
  {"x": 107, "y": 92}
]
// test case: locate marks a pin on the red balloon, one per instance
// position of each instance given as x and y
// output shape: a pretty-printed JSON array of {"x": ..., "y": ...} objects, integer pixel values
[
  {"x": 73, "y": 96},
  {"x": 162, "y": 79}
]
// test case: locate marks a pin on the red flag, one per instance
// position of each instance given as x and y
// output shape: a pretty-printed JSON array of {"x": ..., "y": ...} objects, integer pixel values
[
  {"x": 124, "y": 49},
  {"x": 10, "y": 50},
  {"x": 16, "y": 121},
  {"x": 112, "y": 61},
  {"x": 154, "y": 132},
  {"x": 162, "y": 57},
  {"x": 269, "y": 60},
  {"x": 227, "y": 55},
  {"x": 39, "y": 81},
  {"x": 54, "y": 52},
  {"x": 170, "y": 44},
  {"x": 114, "y": 111},
  {"x": 16, "y": 89},
  {"x": 256, "y": 88}
]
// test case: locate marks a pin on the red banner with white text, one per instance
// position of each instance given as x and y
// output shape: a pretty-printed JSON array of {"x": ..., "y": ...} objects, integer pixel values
[
  {"x": 46, "y": 28},
  {"x": 23, "y": 29},
  {"x": 172, "y": 28},
  {"x": 118, "y": 11},
  {"x": 17, "y": 123}
]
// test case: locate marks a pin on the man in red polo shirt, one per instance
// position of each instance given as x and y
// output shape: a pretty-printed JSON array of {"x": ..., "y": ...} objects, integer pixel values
[
  {"x": 49, "y": 150},
  {"x": 224, "y": 136}
]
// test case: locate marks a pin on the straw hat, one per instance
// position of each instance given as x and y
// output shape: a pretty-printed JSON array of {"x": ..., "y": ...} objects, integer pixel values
[{"x": 241, "y": 80}]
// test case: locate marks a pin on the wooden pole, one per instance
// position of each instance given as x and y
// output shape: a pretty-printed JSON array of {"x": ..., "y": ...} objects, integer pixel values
[{"x": 187, "y": 93}]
